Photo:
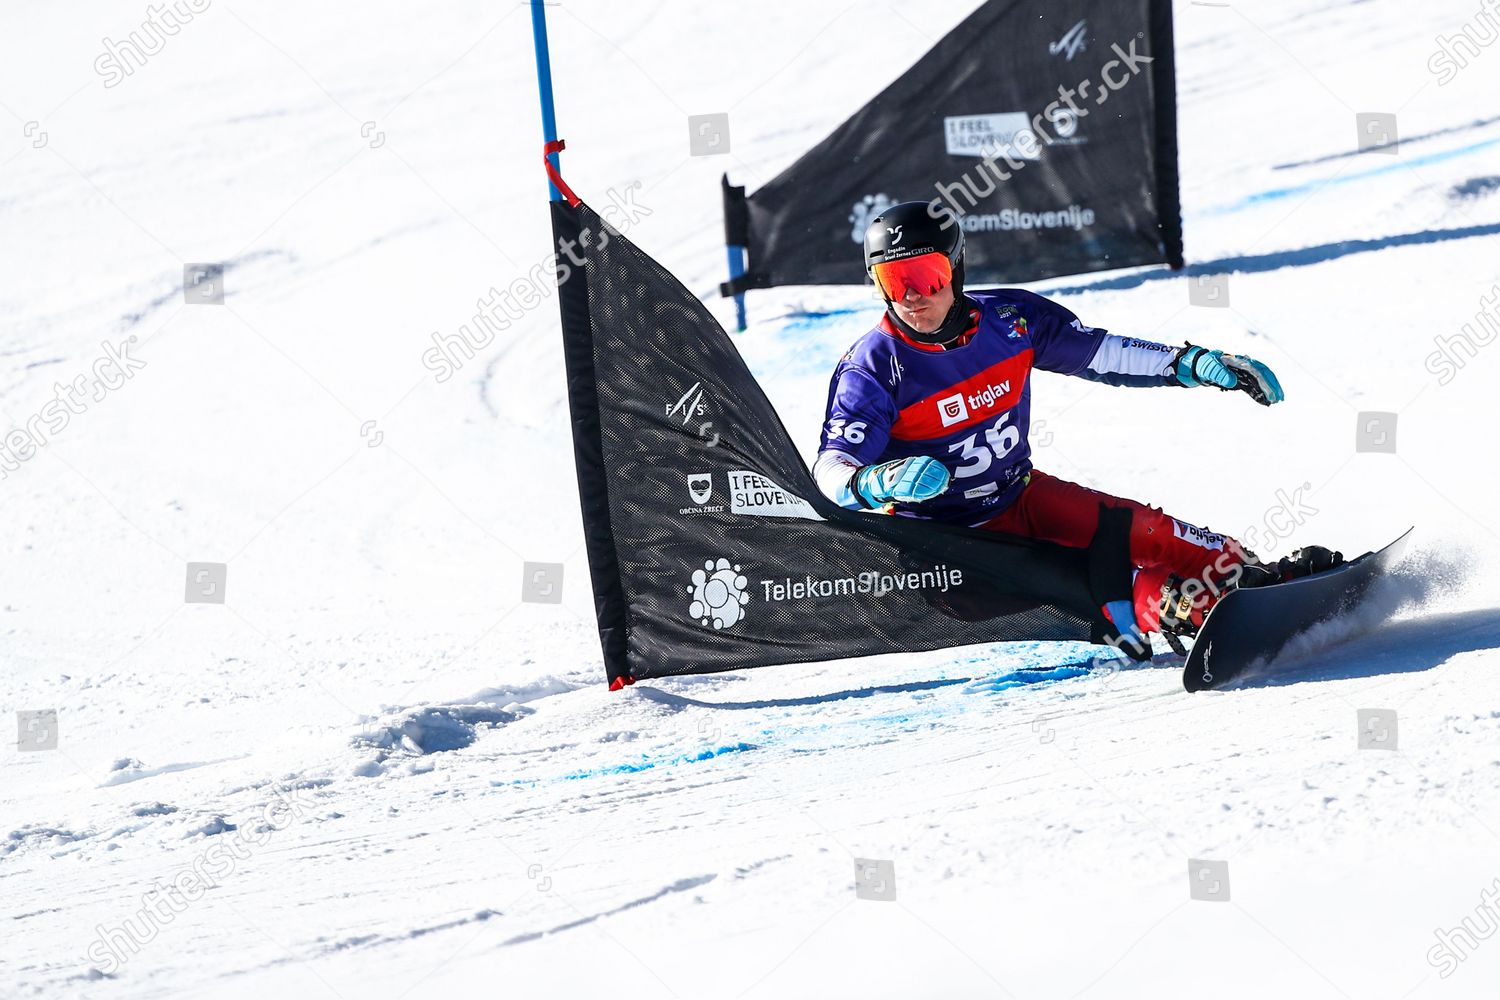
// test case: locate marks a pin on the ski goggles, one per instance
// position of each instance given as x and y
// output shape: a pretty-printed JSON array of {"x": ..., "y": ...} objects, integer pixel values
[{"x": 925, "y": 274}]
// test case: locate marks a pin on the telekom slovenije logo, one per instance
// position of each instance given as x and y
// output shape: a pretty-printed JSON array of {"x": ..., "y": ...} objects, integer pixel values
[{"x": 719, "y": 594}]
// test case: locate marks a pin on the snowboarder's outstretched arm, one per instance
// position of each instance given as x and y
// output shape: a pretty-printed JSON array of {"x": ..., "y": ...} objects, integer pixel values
[{"x": 1064, "y": 345}]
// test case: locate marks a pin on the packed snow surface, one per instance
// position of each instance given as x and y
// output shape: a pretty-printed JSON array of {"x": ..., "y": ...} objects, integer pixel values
[{"x": 359, "y": 765}]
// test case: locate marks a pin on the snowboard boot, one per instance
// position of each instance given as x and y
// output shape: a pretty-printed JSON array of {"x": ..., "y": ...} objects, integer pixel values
[{"x": 1303, "y": 562}]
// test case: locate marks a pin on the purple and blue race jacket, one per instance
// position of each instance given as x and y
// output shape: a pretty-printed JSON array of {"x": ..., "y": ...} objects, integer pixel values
[{"x": 968, "y": 406}]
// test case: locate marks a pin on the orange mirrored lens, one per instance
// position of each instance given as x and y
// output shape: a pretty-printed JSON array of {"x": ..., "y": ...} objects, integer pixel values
[{"x": 926, "y": 275}]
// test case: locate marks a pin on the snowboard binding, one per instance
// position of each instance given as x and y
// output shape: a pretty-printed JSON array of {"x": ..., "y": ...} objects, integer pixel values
[
  {"x": 1306, "y": 561},
  {"x": 1175, "y": 618}
]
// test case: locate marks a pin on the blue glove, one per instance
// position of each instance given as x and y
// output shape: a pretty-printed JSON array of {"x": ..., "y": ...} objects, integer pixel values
[
  {"x": 906, "y": 480},
  {"x": 1195, "y": 366}
]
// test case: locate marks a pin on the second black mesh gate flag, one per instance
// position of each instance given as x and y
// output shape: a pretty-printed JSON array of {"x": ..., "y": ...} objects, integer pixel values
[{"x": 1048, "y": 126}]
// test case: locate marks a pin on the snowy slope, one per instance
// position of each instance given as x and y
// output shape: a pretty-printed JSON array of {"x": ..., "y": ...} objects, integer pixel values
[{"x": 401, "y": 780}]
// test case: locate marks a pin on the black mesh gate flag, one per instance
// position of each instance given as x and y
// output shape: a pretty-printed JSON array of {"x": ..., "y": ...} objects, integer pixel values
[
  {"x": 1049, "y": 126},
  {"x": 709, "y": 545}
]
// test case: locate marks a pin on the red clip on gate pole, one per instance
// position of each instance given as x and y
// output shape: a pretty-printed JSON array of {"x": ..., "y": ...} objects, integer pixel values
[{"x": 557, "y": 146}]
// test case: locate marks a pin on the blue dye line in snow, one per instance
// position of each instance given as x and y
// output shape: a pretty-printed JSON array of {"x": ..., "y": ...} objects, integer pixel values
[
  {"x": 1276, "y": 194},
  {"x": 1027, "y": 678},
  {"x": 647, "y": 763},
  {"x": 1010, "y": 680},
  {"x": 812, "y": 319}
]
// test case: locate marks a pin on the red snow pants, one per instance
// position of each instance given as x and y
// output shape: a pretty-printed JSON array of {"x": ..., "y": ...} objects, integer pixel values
[{"x": 1055, "y": 510}]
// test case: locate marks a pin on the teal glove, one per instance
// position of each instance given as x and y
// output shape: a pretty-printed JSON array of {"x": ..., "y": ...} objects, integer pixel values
[
  {"x": 906, "y": 480},
  {"x": 1195, "y": 366}
]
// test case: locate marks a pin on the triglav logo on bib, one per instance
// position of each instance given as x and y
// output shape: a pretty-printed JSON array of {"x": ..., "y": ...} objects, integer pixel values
[{"x": 952, "y": 409}]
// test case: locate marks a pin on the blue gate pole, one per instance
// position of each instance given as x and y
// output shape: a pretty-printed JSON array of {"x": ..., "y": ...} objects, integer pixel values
[
  {"x": 544, "y": 86},
  {"x": 737, "y": 268}
]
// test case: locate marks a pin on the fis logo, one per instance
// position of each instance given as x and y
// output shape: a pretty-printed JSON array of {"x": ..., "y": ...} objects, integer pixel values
[
  {"x": 689, "y": 405},
  {"x": 952, "y": 410},
  {"x": 1072, "y": 43}
]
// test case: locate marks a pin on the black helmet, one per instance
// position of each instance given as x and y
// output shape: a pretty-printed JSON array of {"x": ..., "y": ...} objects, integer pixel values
[{"x": 913, "y": 228}]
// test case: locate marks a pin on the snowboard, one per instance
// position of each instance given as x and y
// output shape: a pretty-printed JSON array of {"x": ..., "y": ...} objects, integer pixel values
[{"x": 1253, "y": 625}]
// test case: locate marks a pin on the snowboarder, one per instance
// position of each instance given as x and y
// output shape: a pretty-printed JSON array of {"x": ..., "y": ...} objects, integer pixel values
[{"x": 929, "y": 413}]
